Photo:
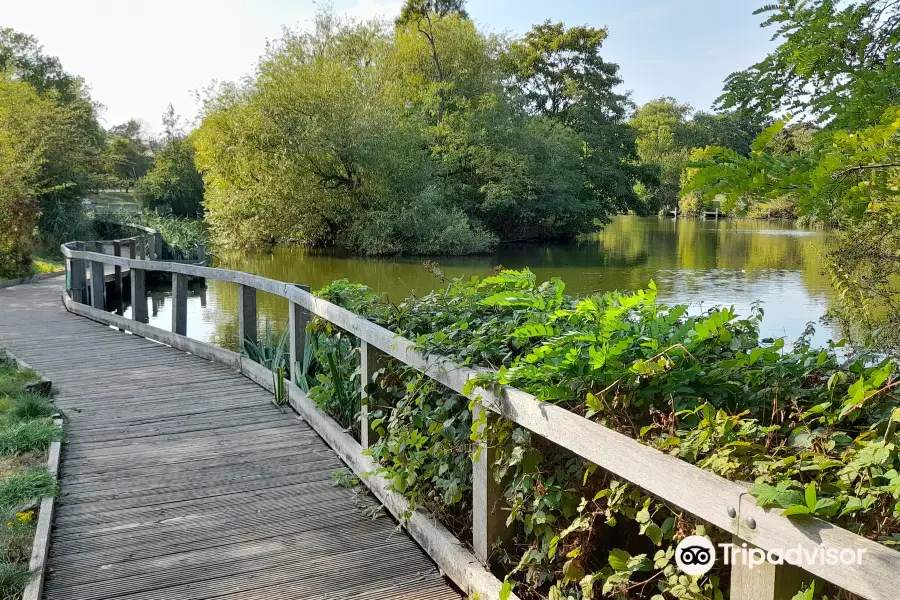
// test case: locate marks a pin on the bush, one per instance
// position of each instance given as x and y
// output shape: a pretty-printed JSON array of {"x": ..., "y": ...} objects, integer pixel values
[
  {"x": 703, "y": 388},
  {"x": 174, "y": 185},
  {"x": 422, "y": 227},
  {"x": 779, "y": 208}
]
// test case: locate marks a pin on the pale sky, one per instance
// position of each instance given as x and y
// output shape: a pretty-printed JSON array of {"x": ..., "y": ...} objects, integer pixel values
[{"x": 139, "y": 56}]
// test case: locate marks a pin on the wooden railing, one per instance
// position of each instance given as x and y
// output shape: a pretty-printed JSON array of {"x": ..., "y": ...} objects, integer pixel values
[{"x": 718, "y": 501}]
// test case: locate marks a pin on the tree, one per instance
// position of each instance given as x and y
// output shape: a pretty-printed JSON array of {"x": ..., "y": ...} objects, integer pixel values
[
  {"x": 837, "y": 62},
  {"x": 318, "y": 150},
  {"x": 563, "y": 76},
  {"x": 67, "y": 166},
  {"x": 421, "y": 14},
  {"x": 38, "y": 144},
  {"x": 174, "y": 184},
  {"x": 836, "y": 66}
]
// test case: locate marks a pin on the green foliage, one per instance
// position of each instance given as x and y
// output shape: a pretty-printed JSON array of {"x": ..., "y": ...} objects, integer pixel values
[
  {"x": 666, "y": 136},
  {"x": 13, "y": 579},
  {"x": 28, "y": 436},
  {"x": 26, "y": 486},
  {"x": 272, "y": 350},
  {"x": 344, "y": 478},
  {"x": 561, "y": 74},
  {"x": 56, "y": 172},
  {"x": 27, "y": 406},
  {"x": 174, "y": 184},
  {"x": 815, "y": 433},
  {"x": 408, "y": 139}
]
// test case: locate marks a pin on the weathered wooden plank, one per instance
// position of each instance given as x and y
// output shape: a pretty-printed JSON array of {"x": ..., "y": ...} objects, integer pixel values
[{"x": 179, "y": 486}]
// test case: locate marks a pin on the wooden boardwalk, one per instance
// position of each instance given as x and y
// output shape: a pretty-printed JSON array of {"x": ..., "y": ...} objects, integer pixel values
[{"x": 182, "y": 481}]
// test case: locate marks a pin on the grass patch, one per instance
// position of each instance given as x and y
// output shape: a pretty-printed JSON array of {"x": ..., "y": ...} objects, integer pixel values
[
  {"x": 26, "y": 432},
  {"x": 26, "y": 486},
  {"x": 13, "y": 579},
  {"x": 29, "y": 406},
  {"x": 28, "y": 436}
]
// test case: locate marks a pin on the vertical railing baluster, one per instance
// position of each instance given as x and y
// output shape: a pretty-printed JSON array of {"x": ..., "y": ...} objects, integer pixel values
[
  {"x": 143, "y": 242},
  {"x": 179, "y": 303},
  {"x": 247, "y": 328},
  {"x": 488, "y": 518},
  {"x": 157, "y": 246},
  {"x": 117, "y": 278},
  {"x": 98, "y": 283},
  {"x": 766, "y": 581},
  {"x": 78, "y": 277},
  {"x": 298, "y": 319},
  {"x": 371, "y": 359},
  {"x": 138, "y": 282}
]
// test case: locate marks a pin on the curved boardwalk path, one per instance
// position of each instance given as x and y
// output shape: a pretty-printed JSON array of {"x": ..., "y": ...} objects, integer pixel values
[{"x": 182, "y": 481}]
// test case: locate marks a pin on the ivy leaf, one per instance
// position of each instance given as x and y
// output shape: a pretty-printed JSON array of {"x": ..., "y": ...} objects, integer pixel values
[{"x": 781, "y": 496}]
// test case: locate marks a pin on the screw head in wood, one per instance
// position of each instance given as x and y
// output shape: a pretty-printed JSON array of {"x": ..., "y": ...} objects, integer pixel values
[
  {"x": 731, "y": 512},
  {"x": 751, "y": 522}
]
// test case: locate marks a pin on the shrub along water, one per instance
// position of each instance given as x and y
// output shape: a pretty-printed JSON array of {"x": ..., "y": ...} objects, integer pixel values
[{"x": 814, "y": 429}]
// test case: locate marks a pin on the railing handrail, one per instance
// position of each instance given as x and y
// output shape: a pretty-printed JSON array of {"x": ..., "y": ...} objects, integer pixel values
[{"x": 687, "y": 486}]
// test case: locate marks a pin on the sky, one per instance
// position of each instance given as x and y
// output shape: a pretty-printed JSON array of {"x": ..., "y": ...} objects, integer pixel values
[{"x": 137, "y": 57}]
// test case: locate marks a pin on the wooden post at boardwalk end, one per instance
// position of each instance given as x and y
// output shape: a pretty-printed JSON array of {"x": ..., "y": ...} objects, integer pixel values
[
  {"x": 298, "y": 319},
  {"x": 143, "y": 241},
  {"x": 157, "y": 246},
  {"x": 78, "y": 277},
  {"x": 179, "y": 303},
  {"x": 246, "y": 315},
  {"x": 488, "y": 516},
  {"x": 371, "y": 359},
  {"x": 98, "y": 285},
  {"x": 138, "y": 286}
]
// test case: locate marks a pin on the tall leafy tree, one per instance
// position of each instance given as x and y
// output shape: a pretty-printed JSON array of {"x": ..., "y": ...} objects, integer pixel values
[
  {"x": 836, "y": 65},
  {"x": 66, "y": 169},
  {"x": 563, "y": 76}
]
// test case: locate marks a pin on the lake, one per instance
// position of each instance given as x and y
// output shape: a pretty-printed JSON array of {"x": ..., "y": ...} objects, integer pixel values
[{"x": 694, "y": 262}]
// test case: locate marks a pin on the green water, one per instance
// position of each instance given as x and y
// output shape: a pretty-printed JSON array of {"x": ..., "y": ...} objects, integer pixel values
[{"x": 700, "y": 263}]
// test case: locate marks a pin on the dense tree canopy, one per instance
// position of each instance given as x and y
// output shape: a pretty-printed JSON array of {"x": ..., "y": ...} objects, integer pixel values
[
  {"x": 417, "y": 137},
  {"x": 64, "y": 170}
]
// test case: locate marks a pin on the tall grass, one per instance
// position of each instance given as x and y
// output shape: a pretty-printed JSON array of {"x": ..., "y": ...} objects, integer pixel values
[
  {"x": 28, "y": 436},
  {"x": 27, "y": 486},
  {"x": 272, "y": 350}
]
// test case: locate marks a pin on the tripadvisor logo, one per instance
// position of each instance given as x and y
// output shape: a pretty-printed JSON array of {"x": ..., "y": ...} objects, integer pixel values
[{"x": 695, "y": 555}]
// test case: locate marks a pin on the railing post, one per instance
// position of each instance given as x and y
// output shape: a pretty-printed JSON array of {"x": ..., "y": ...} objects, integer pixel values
[
  {"x": 488, "y": 516},
  {"x": 157, "y": 246},
  {"x": 201, "y": 252},
  {"x": 298, "y": 319},
  {"x": 78, "y": 277},
  {"x": 98, "y": 284},
  {"x": 117, "y": 251},
  {"x": 371, "y": 359},
  {"x": 138, "y": 286},
  {"x": 143, "y": 241},
  {"x": 179, "y": 303},
  {"x": 764, "y": 581},
  {"x": 246, "y": 315}
]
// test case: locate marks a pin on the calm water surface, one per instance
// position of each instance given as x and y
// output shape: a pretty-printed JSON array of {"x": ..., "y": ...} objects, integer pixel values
[{"x": 699, "y": 263}]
